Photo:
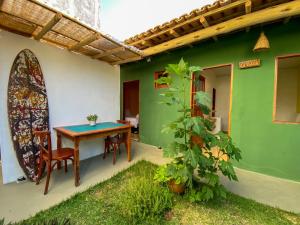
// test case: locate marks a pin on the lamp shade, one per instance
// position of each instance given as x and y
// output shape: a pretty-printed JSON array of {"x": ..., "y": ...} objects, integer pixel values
[{"x": 262, "y": 43}]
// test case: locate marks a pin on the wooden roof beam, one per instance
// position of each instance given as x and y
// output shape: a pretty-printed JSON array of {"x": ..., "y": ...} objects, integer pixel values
[
  {"x": 108, "y": 52},
  {"x": 86, "y": 41},
  {"x": 262, "y": 16},
  {"x": 147, "y": 43},
  {"x": 196, "y": 18},
  {"x": 126, "y": 60},
  {"x": 174, "y": 33},
  {"x": 248, "y": 9},
  {"x": 48, "y": 26},
  {"x": 205, "y": 24}
]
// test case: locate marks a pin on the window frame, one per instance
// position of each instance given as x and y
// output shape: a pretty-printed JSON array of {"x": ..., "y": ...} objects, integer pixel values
[
  {"x": 277, "y": 58},
  {"x": 156, "y": 77}
]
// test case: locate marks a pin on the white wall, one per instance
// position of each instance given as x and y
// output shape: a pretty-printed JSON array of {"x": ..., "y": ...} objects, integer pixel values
[
  {"x": 210, "y": 81},
  {"x": 222, "y": 99},
  {"x": 287, "y": 95},
  {"x": 219, "y": 78},
  {"x": 76, "y": 86}
]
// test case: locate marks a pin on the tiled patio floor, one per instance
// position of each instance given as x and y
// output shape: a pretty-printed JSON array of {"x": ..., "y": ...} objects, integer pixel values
[{"x": 19, "y": 201}]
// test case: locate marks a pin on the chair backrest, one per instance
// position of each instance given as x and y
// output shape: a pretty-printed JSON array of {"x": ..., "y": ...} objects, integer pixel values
[
  {"x": 44, "y": 143},
  {"x": 123, "y": 122}
]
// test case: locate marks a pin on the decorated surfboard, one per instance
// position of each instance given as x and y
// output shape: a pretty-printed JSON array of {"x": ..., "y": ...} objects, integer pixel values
[{"x": 27, "y": 109}]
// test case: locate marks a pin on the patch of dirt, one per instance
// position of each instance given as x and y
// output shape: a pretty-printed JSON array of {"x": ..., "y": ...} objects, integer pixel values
[
  {"x": 168, "y": 215},
  {"x": 98, "y": 194}
]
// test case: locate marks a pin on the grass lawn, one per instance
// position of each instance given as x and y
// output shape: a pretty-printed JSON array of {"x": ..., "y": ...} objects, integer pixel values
[{"x": 98, "y": 205}]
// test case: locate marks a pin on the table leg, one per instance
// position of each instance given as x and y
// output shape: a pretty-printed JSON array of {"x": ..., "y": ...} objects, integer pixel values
[
  {"x": 128, "y": 145},
  {"x": 59, "y": 146},
  {"x": 76, "y": 162}
]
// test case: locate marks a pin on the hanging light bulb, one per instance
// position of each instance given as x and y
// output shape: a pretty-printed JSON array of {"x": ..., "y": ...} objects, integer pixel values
[{"x": 262, "y": 43}]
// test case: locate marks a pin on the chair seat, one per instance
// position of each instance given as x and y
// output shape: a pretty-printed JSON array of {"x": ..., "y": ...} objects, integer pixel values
[
  {"x": 116, "y": 139},
  {"x": 63, "y": 153}
]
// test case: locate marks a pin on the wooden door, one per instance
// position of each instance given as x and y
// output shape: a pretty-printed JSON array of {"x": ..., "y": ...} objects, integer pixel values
[{"x": 131, "y": 100}]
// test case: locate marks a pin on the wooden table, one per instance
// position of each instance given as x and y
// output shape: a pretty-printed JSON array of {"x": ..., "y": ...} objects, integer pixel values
[{"x": 77, "y": 133}]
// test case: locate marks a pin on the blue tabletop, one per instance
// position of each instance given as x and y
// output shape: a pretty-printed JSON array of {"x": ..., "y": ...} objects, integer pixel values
[{"x": 98, "y": 126}]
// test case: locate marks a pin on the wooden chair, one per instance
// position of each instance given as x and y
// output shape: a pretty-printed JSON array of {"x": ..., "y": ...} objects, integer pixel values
[
  {"x": 47, "y": 155},
  {"x": 115, "y": 142}
]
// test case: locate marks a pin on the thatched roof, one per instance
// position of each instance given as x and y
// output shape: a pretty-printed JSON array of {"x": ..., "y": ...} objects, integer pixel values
[{"x": 36, "y": 20}]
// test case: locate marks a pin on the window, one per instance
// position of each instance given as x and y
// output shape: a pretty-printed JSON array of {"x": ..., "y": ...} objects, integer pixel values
[
  {"x": 287, "y": 90},
  {"x": 158, "y": 75}
]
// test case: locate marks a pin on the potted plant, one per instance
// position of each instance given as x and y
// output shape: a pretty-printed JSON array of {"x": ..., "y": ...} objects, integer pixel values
[
  {"x": 92, "y": 118},
  {"x": 195, "y": 163},
  {"x": 175, "y": 174}
]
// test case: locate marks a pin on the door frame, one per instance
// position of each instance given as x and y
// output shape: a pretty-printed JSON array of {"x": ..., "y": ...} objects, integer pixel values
[
  {"x": 123, "y": 102},
  {"x": 231, "y": 88}
]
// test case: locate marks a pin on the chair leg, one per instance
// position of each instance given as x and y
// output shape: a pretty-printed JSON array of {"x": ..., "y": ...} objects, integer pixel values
[
  {"x": 40, "y": 171},
  {"x": 115, "y": 152},
  {"x": 48, "y": 177},
  {"x": 66, "y": 166},
  {"x": 105, "y": 149}
]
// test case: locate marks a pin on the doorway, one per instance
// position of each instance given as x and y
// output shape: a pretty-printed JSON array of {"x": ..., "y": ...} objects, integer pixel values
[
  {"x": 131, "y": 106},
  {"x": 217, "y": 81}
]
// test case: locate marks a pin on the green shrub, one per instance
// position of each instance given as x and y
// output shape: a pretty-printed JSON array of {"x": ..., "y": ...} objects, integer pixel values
[
  {"x": 194, "y": 144},
  {"x": 145, "y": 201}
]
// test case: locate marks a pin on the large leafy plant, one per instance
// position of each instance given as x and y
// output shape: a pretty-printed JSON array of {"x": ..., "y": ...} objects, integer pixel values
[{"x": 199, "y": 161}]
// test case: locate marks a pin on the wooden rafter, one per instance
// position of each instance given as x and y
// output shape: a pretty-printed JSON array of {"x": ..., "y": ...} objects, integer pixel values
[
  {"x": 248, "y": 9},
  {"x": 86, "y": 41},
  {"x": 248, "y": 6},
  {"x": 48, "y": 26},
  {"x": 147, "y": 43},
  {"x": 196, "y": 18},
  {"x": 126, "y": 60},
  {"x": 6, "y": 19},
  {"x": 174, "y": 33},
  {"x": 262, "y": 16},
  {"x": 108, "y": 52},
  {"x": 205, "y": 24},
  {"x": 13, "y": 19}
]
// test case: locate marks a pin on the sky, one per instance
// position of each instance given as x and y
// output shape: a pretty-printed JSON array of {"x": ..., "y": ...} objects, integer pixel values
[{"x": 125, "y": 18}]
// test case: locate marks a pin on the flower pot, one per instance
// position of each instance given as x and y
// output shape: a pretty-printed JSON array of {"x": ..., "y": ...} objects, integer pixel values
[
  {"x": 176, "y": 188},
  {"x": 92, "y": 123}
]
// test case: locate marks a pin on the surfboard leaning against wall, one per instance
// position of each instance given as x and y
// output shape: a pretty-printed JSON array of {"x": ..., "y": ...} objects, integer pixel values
[{"x": 27, "y": 109}]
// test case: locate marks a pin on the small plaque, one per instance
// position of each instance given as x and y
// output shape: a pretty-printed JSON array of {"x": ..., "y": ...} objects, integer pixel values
[{"x": 249, "y": 63}]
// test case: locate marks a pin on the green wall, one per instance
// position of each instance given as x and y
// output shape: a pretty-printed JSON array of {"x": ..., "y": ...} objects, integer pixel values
[{"x": 268, "y": 148}]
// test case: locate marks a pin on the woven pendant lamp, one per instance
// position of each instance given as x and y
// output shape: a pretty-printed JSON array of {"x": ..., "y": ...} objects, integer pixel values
[{"x": 262, "y": 43}]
